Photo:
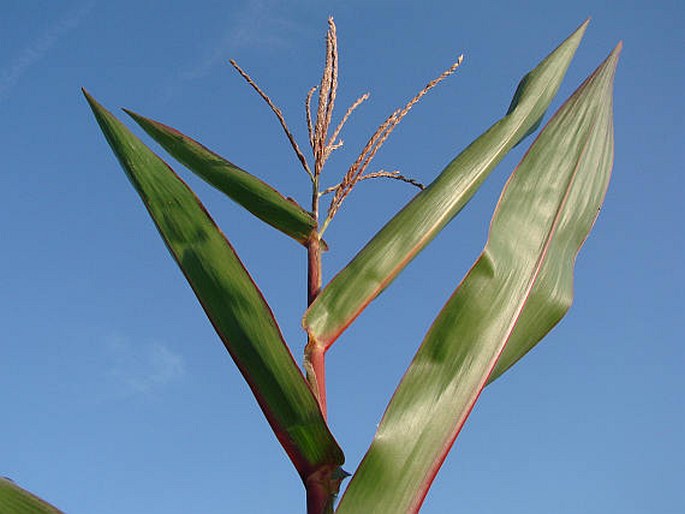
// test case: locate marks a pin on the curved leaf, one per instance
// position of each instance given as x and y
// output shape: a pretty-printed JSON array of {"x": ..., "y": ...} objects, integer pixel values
[
  {"x": 15, "y": 500},
  {"x": 406, "y": 234},
  {"x": 520, "y": 285},
  {"x": 230, "y": 298},
  {"x": 256, "y": 196}
]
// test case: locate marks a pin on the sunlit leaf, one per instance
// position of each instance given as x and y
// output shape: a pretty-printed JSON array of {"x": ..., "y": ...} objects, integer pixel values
[
  {"x": 256, "y": 196},
  {"x": 230, "y": 298},
  {"x": 516, "y": 291},
  {"x": 15, "y": 500},
  {"x": 406, "y": 234}
]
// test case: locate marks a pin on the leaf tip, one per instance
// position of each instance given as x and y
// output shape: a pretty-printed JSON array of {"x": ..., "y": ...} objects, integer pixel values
[
  {"x": 97, "y": 109},
  {"x": 617, "y": 50},
  {"x": 145, "y": 123},
  {"x": 580, "y": 31},
  {"x": 611, "y": 62},
  {"x": 88, "y": 96},
  {"x": 137, "y": 117}
]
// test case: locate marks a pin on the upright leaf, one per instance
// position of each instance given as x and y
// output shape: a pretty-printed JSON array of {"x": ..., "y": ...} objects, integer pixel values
[
  {"x": 256, "y": 196},
  {"x": 230, "y": 298},
  {"x": 406, "y": 234},
  {"x": 516, "y": 290},
  {"x": 15, "y": 500}
]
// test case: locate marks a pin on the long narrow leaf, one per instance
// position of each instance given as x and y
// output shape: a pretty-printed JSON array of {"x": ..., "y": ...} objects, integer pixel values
[
  {"x": 256, "y": 196},
  {"x": 516, "y": 289},
  {"x": 15, "y": 500},
  {"x": 406, "y": 234},
  {"x": 230, "y": 298}
]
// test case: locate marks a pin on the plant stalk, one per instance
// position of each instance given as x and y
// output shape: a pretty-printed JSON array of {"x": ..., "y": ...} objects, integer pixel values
[
  {"x": 321, "y": 492},
  {"x": 313, "y": 268},
  {"x": 322, "y": 487},
  {"x": 314, "y": 356}
]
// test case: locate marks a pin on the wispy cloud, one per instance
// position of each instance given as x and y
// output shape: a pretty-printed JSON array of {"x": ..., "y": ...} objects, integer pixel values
[
  {"x": 142, "y": 369},
  {"x": 38, "y": 49},
  {"x": 258, "y": 24}
]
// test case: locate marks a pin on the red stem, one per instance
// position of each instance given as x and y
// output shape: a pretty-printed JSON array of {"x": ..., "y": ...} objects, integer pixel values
[
  {"x": 322, "y": 486},
  {"x": 314, "y": 354},
  {"x": 321, "y": 490},
  {"x": 314, "y": 268}
]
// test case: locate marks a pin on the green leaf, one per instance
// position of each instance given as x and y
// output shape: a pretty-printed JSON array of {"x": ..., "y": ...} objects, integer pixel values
[
  {"x": 232, "y": 301},
  {"x": 406, "y": 234},
  {"x": 552, "y": 294},
  {"x": 247, "y": 190},
  {"x": 516, "y": 291},
  {"x": 15, "y": 500}
]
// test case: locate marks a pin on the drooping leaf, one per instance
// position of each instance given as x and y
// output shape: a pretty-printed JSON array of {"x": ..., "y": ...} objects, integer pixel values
[
  {"x": 15, "y": 500},
  {"x": 517, "y": 289},
  {"x": 230, "y": 298},
  {"x": 410, "y": 230},
  {"x": 256, "y": 196}
]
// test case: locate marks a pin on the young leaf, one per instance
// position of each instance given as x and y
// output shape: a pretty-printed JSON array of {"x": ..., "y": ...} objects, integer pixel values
[
  {"x": 247, "y": 190},
  {"x": 230, "y": 298},
  {"x": 406, "y": 234},
  {"x": 518, "y": 288},
  {"x": 15, "y": 500}
]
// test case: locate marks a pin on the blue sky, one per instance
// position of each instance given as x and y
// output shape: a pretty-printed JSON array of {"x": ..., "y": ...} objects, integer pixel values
[{"x": 118, "y": 396}]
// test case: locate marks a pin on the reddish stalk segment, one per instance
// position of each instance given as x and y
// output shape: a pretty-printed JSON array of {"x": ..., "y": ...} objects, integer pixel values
[{"x": 314, "y": 361}]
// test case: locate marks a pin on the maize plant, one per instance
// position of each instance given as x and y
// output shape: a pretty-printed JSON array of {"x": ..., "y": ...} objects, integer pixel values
[{"x": 515, "y": 292}]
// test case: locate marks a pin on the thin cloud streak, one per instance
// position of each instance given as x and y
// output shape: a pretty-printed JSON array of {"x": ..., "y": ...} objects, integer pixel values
[
  {"x": 257, "y": 24},
  {"x": 38, "y": 49},
  {"x": 143, "y": 369}
]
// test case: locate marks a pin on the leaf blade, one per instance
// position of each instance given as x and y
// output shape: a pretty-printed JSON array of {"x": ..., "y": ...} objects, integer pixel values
[
  {"x": 544, "y": 215},
  {"x": 409, "y": 231},
  {"x": 16, "y": 500},
  {"x": 230, "y": 298},
  {"x": 253, "y": 194}
]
